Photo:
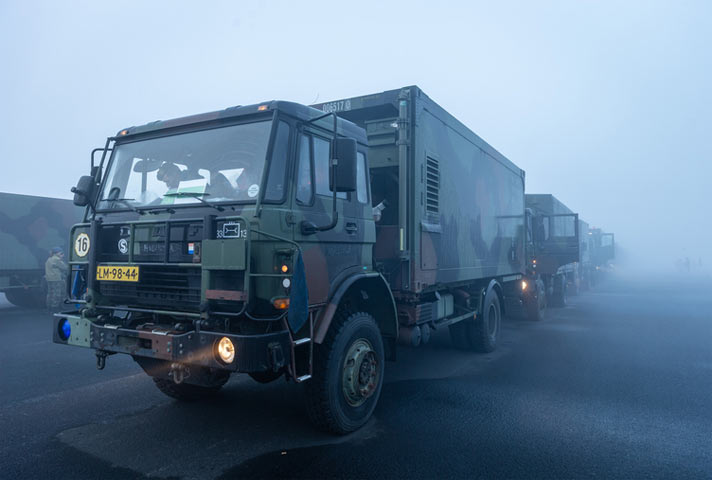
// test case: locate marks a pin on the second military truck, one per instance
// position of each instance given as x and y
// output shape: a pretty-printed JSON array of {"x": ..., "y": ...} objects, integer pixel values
[
  {"x": 282, "y": 240},
  {"x": 553, "y": 253},
  {"x": 29, "y": 227}
]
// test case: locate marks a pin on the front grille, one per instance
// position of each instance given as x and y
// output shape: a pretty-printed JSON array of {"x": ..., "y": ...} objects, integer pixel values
[{"x": 158, "y": 286}]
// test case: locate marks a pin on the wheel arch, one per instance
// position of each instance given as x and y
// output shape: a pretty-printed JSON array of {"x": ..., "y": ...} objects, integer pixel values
[
  {"x": 497, "y": 287},
  {"x": 358, "y": 289}
]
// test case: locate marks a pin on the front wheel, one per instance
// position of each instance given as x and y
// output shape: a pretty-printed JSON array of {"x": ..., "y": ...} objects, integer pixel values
[
  {"x": 186, "y": 392},
  {"x": 347, "y": 374},
  {"x": 559, "y": 294}
]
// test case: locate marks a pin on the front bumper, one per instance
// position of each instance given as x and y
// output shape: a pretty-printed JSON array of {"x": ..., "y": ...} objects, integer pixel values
[{"x": 253, "y": 353}]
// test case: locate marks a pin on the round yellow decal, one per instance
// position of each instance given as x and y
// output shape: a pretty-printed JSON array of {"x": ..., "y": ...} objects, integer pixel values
[{"x": 81, "y": 245}]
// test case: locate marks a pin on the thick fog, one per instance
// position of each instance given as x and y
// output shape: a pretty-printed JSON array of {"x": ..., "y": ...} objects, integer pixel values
[{"x": 605, "y": 104}]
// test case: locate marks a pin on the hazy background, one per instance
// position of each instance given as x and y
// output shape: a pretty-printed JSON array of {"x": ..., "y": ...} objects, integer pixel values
[{"x": 605, "y": 104}]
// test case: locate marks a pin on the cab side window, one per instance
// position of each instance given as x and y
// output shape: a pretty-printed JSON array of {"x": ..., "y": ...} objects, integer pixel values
[
  {"x": 361, "y": 185},
  {"x": 305, "y": 187},
  {"x": 313, "y": 169},
  {"x": 321, "y": 151}
]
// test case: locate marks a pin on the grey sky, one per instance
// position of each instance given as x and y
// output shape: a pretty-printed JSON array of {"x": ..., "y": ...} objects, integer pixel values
[{"x": 604, "y": 104}]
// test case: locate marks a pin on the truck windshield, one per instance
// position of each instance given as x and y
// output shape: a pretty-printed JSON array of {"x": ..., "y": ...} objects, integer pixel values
[{"x": 217, "y": 165}]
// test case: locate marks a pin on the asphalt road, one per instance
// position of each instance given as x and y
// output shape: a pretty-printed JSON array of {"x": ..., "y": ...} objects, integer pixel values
[{"x": 616, "y": 385}]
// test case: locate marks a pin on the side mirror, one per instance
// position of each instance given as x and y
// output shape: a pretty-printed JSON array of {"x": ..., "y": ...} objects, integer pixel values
[
  {"x": 84, "y": 191},
  {"x": 345, "y": 174}
]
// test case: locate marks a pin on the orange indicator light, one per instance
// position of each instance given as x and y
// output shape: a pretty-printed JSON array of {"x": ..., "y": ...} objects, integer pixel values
[{"x": 281, "y": 303}]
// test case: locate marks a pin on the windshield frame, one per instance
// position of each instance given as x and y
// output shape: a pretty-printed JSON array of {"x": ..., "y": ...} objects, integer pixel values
[{"x": 198, "y": 127}]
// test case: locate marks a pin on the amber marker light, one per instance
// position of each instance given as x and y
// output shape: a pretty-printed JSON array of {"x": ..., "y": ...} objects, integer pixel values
[
  {"x": 124, "y": 132},
  {"x": 226, "y": 350},
  {"x": 262, "y": 108},
  {"x": 281, "y": 303},
  {"x": 285, "y": 269}
]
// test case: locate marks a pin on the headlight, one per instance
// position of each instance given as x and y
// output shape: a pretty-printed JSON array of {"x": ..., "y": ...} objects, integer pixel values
[
  {"x": 524, "y": 285},
  {"x": 226, "y": 350},
  {"x": 64, "y": 329}
]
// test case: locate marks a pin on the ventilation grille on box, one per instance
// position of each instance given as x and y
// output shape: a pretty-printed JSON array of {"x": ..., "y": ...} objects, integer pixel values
[{"x": 432, "y": 186}]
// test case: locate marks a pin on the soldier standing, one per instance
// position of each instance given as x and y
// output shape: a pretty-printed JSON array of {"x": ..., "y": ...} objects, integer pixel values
[{"x": 55, "y": 274}]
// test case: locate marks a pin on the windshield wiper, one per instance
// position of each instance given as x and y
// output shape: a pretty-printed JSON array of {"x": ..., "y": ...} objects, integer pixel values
[
  {"x": 198, "y": 196},
  {"x": 124, "y": 201}
]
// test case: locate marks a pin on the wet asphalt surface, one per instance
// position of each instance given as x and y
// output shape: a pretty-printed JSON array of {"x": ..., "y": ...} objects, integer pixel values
[{"x": 616, "y": 385}]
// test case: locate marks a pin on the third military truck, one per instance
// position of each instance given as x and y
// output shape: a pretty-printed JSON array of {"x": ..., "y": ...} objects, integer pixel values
[{"x": 282, "y": 240}]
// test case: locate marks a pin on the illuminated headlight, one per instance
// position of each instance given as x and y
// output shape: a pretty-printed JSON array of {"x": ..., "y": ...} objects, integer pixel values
[
  {"x": 524, "y": 285},
  {"x": 64, "y": 329},
  {"x": 226, "y": 350}
]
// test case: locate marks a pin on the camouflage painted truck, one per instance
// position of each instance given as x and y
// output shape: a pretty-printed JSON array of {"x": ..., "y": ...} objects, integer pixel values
[
  {"x": 553, "y": 253},
  {"x": 29, "y": 227},
  {"x": 602, "y": 246},
  {"x": 281, "y": 240}
]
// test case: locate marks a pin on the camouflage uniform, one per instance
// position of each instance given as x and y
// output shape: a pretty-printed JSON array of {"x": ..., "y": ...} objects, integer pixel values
[{"x": 55, "y": 273}]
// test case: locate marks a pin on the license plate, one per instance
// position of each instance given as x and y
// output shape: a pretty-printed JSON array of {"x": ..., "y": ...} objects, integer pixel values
[{"x": 117, "y": 273}]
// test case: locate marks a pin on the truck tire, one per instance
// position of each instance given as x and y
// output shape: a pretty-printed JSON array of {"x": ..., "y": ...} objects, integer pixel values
[
  {"x": 347, "y": 374},
  {"x": 187, "y": 392},
  {"x": 265, "y": 377},
  {"x": 535, "y": 308},
  {"x": 479, "y": 334},
  {"x": 558, "y": 298},
  {"x": 483, "y": 332},
  {"x": 31, "y": 298}
]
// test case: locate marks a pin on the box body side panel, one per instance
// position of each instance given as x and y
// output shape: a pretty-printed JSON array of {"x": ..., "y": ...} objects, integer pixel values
[{"x": 475, "y": 229}]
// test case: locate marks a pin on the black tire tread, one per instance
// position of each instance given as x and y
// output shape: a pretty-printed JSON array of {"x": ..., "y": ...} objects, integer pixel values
[
  {"x": 186, "y": 392},
  {"x": 478, "y": 336},
  {"x": 318, "y": 409}
]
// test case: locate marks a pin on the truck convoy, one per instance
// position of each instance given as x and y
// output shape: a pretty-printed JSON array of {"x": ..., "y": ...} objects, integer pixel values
[
  {"x": 29, "y": 227},
  {"x": 281, "y": 240}
]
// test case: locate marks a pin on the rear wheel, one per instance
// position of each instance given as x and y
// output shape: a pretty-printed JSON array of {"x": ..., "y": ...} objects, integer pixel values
[
  {"x": 481, "y": 333},
  {"x": 347, "y": 374},
  {"x": 26, "y": 298}
]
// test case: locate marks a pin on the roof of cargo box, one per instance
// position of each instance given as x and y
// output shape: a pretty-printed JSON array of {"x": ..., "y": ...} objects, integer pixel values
[
  {"x": 230, "y": 114},
  {"x": 546, "y": 203},
  {"x": 385, "y": 105}
]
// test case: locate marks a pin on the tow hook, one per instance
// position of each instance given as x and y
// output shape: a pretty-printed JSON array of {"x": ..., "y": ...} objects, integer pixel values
[
  {"x": 101, "y": 359},
  {"x": 179, "y": 373}
]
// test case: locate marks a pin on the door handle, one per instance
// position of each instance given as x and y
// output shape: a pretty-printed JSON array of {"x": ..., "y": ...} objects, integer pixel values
[{"x": 351, "y": 227}]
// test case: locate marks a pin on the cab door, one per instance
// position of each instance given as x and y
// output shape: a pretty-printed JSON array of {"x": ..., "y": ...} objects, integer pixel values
[
  {"x": 331, "y": 254},
  {"x": 556, "y": 240}
]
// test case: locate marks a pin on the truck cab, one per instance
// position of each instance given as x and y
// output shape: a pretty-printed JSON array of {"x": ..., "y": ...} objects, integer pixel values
[{"x": 553, "y": 254}]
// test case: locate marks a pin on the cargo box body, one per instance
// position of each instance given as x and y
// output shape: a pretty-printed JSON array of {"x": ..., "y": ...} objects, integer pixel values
[
  {"x": 29, "y": 227},
  {"x": 454, "y": 205}
]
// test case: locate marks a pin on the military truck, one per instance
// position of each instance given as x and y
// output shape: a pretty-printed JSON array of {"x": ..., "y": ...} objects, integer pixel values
[
  {"x": 585, "y": 266},
  {"x": 281, "y": 240},
  {"x": 552, "y": 253},
  {"x": 602, "y": 246},
  {"x": 29, "y": 227}
]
